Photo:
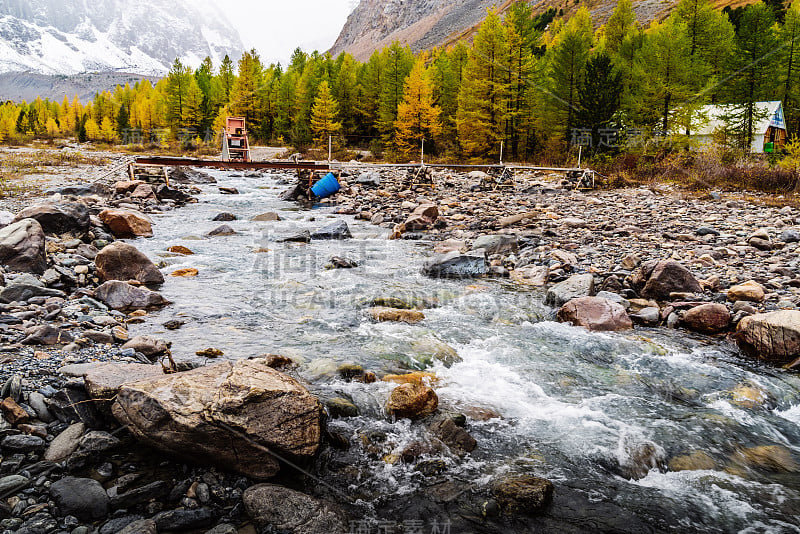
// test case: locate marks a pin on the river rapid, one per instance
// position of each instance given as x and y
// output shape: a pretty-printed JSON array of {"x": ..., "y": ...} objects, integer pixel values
[{"x": 603, "y": 416}]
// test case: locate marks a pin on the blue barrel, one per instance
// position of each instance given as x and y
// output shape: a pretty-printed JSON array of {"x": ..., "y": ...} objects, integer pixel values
[{"x": 326, "y": 186}]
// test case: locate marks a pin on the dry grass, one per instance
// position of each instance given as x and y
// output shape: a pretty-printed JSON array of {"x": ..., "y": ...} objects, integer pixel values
[{"x": 39, "y": 161}]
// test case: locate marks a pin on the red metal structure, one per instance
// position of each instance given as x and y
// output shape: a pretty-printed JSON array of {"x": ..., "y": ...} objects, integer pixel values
[{"x": 235, "y": 146}]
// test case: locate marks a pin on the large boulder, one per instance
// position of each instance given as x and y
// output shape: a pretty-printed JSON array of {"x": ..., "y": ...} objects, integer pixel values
[
  {"x": 287, "y": 510},
  {"x": 595, "y": 313},
  {"x": 123, "y": 296},
  {"x": 66, "y": 217},
  {"x": 232, "y": 414},
  {"x": 709, "y": 318},
  {"x": 121, "y": 261},
  {"x": 456, "y": 265},
  {"x": 22, "y": 246},
  {"x": 126, "y": 223},
  {"x": 774, "y": 336},
  {"x": 657, "y": 279},
  {"x": 334, "y": 230},
  {"x": 576, "y": 286},
  {"x": 104, "y": 380}
]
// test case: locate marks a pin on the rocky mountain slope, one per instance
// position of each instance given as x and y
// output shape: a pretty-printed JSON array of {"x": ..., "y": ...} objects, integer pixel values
[
  {"x": 428, "y": 23},
  {"x": 64, "y": 37}
]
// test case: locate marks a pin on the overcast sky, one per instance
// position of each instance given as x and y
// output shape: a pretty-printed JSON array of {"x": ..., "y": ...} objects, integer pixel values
[{"x": 276, "y": 27}]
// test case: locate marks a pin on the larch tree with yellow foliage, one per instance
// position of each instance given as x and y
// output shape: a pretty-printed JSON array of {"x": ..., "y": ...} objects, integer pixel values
[
  {"x": 324, "y": 113},
  {"x": 417, "y": 115}
]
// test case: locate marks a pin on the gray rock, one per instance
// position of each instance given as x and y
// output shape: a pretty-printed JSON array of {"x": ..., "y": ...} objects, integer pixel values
[
  {"x": 72, "y": 217},
  {"x": 184, "y": 519},
  {"x": 577, "y": 285},
  {"x": 369, "y": 178},
  {"x": 457, "y": 265},
  {"x": 37, "y": 401},
  {"x": 303, "y": 236},
  {"x": 22, "y": 443},
  {"x": 17, "y": 291},
  {"x": 266, "y": 217},
  {"x": 47, "y": 334},
  {"x": 65, "y": 443},
  {"x": 119, "y": 524},
  {"x": 225, "y": 216},
  {"x": 147, "y": 345},
  {"x": 649, "y": 316},
  {"x": 790, "y": 236},
  {"x": 84, "y": 498},
  {"x": 98, "y": 440},
  {"x": 22, "y": 246},
  {"x": 221, "y": 231},
  {"x": 614, "y": 297},
  {"x": 125, "y": 297},
  {"x": 334, "y": 230},
  {"x": 496, "y": 244},
  {"x": 144, "y": 526},
  {"x": 290, "y": 511},
  {"x": 12, "y": 483}
]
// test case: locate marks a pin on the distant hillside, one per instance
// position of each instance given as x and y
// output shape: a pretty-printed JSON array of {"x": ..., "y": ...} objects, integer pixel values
[
  {"x": 19, "y": 86},
  {"x": 425, "y": 24}
]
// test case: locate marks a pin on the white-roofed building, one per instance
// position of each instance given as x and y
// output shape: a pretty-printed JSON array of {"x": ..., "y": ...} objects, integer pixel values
[{"x": 769, "y": 131}]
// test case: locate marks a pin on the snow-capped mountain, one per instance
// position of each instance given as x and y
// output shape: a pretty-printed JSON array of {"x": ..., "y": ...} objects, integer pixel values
[{"x": 138, "y": 36}]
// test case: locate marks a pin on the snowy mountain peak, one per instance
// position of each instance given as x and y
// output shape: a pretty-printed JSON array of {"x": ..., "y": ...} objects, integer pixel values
[{"x": 139, "y": 36}]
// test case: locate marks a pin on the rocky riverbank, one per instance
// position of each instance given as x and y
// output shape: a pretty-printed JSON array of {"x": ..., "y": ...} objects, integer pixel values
[
  {"x": 658, "y": 255},
  {"x": 94, "y": 418}
]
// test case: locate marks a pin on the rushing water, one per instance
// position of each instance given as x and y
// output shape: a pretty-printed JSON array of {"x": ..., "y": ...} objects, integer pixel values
[{"x": 600, "y": 415}]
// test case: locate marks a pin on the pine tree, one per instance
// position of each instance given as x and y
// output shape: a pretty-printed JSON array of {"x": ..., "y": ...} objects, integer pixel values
[
  {"x": 243, "y": 101},
  {"x": 482, "y": 103},
  {"x": 107, "y": 131},
  {"x": 397, "y": 63},
  {"x": 599, "y": 98},
  {"x": 227, "y": 78},
  {"x": 176, "y": 89},
  {"x": 753, "y": 67},
  {"x": 417, "y": 116},
  {"x": 567, "y": 60},
  {"x": 522, "y": 39},
  {"x": 193, "y": 107},
  {"x": 345, "y": 91},
  {"x": 324, "y": 113}
]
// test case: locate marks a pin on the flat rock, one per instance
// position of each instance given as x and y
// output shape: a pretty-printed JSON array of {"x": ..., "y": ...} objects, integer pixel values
[
  {"x": 104, "y": 380},
  {"x": 496, "y": 244},
  {"x": 200, "y": 414},
  {"x": 266, "y": 217},
  {"x": 221, "y": 231}
]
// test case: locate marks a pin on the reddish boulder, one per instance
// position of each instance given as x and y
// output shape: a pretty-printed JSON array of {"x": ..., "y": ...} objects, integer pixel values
[{"x": 595, "y": 313}]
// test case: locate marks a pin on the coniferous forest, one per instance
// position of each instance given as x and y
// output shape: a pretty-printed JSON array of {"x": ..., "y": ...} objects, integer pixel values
[{"x": 539, "y": 84}]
